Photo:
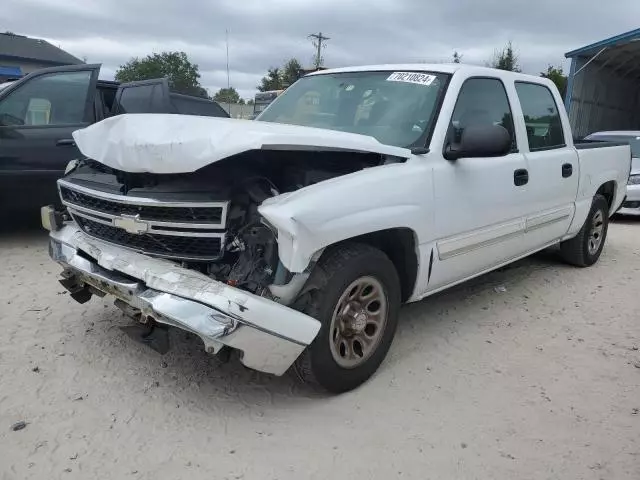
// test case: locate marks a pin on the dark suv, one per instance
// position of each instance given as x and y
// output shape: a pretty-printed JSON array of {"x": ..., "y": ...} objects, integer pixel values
[{"x": 39, "y": 112}]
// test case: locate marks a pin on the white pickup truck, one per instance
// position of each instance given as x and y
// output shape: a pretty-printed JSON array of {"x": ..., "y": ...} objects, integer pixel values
[{"x": 294, "y": 239}]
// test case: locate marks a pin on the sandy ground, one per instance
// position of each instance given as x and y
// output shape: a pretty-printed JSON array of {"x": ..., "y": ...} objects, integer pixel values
[{"x": 541, "y": 381}]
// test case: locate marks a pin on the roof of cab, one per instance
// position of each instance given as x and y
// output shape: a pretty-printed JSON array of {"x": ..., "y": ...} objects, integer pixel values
[
  {"x": 449, "y": 68},
  {"x": 412, "y": 67}
]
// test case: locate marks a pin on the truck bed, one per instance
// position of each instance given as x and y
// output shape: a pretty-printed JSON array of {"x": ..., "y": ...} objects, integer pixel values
[{"x": 583, "y": 144}]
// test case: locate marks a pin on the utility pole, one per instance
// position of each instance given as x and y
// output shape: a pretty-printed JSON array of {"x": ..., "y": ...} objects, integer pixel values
[
  {"x": 318, "y": 42},
  {"x": 228, "y": 79},
  {"x": 227, "y": 42}
]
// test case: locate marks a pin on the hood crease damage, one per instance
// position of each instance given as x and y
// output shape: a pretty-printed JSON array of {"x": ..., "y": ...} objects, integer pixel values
[{"x": 164, "y": 143}]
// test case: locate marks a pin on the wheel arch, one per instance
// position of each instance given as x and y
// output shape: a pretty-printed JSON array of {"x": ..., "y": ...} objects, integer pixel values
[
  {"x": 401, "y": 246},
  {"x": 608, "y": 191}
]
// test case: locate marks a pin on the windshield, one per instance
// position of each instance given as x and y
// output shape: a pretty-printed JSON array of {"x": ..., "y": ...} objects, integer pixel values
[
  {"x": 632, "y": 140},
  {"x": 396, "y": 108}
]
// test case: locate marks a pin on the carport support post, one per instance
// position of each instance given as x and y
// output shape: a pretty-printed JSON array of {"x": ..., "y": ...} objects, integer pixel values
[{"x": 569, "y": 92}]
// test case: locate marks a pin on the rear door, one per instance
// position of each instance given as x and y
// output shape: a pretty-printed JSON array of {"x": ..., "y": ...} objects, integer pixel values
[
  {"x": 37, "y": 117},
  {"x": 553, "y": 164},
  {"x": 145, "y": 96}
]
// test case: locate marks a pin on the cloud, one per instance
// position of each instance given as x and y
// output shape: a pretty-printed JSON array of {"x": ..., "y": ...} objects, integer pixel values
[{"x": 264, "y": 34}]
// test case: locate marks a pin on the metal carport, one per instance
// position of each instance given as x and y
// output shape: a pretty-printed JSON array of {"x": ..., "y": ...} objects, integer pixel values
[{"x": 603, "y": 87}]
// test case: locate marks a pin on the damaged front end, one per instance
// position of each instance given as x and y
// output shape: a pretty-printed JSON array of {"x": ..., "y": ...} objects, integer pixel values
[
  {"x": 192, "y": 251},
  {"x": 270, "y": 336}
]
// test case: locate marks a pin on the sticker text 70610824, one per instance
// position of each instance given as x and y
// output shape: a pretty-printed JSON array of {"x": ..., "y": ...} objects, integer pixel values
[{"x": 412, "y": 77}]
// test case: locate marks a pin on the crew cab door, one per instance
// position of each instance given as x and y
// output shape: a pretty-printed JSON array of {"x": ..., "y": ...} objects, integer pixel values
[
  {"x": 554, "y": 169},
  {"x": 37, "y": 116},
  {"x": 480, "y": 203}
]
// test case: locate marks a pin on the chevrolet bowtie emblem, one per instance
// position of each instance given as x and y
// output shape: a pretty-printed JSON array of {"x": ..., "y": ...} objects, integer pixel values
[{"x": 131, "y": 224}]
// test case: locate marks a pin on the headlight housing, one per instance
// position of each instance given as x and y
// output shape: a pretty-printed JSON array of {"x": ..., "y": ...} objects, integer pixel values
[{"x": 634, "y": 179}]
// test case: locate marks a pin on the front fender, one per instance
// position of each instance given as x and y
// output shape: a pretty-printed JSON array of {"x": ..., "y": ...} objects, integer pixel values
[{"x": 379, "y": 198}]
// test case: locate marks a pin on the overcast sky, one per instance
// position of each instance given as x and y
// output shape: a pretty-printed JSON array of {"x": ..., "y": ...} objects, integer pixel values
[{"x": 264, "y": 33}]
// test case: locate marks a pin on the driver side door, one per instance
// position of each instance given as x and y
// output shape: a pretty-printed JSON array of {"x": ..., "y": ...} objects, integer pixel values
[{"x": 480, "y": 203}]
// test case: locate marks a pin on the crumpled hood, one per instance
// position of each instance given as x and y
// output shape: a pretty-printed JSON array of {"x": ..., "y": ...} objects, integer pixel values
[{"x": 166, "y": 143}]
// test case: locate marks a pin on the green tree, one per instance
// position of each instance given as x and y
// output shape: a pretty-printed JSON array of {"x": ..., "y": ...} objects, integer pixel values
[
  {"x": 250, "y": 101},
  {"x": 506, "y": 59},
  {"x": 557, "y": 76},
  {"x": 457, "y": 58},
  {"x": 228, "y": 95},
  {"x": 291, "y": 72},
  {"x": 183, "y": 75},
  {"x": 273, "y": 80}
]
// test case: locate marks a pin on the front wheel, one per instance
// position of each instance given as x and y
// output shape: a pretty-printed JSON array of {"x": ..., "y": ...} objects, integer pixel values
[
  {"x": 585, "y": 248},
  {"x": 356, "y": 297}
]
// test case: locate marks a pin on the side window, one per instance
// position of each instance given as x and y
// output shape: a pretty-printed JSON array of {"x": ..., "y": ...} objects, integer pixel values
[
  {"x": 541, "y": 117},
  {"x": 50, "y": 99},
  {"x": 135, "y": 99},
  {"x": 142, "y": 99},
  {"x": 482, "y": 101}
]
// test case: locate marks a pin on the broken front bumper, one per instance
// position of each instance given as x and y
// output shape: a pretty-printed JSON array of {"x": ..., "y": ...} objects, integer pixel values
[{"x": 269, "y": 335}]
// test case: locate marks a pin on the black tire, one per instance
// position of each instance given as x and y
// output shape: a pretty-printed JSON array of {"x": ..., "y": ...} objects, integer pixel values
[
  {"x": 576, "y": 250},
  {"x": 336, "y": 270}
]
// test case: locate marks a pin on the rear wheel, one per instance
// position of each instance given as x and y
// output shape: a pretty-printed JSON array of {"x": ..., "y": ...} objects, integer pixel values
[
  {"x": 356, "y": 298},
  {"x": 585, "y": 248}
]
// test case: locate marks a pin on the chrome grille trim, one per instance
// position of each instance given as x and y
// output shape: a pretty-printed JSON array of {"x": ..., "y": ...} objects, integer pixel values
[
  {"x": 107, "y": 219},
  {"x": 147, "y": 202},
  {"x": 102, "y": 209}
]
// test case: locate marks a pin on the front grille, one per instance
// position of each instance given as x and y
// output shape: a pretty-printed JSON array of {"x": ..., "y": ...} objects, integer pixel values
[
  {"x": 194, "y": 248},
  {"x": 147, "y": 212},
  {"x": 178, "y": 230}
]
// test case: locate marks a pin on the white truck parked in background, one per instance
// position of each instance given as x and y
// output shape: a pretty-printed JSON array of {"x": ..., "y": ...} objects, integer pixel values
[{"x": 294, "y": 239}]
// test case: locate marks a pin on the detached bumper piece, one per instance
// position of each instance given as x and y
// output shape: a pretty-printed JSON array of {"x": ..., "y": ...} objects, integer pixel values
[{"x": 269, "y": 336}]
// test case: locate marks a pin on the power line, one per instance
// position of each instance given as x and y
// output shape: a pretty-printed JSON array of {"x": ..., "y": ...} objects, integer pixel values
[{"x": 319, "y": 43}]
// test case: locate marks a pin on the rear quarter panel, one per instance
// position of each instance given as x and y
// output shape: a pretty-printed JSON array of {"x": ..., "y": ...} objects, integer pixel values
[{"x": 597, "y": 167}]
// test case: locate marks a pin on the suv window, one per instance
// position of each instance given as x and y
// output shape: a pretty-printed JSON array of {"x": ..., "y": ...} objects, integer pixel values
[
  {"x": 137, "y": 99},
  {"x": 541, "y": 117},
  {"x": 197, "y": 106},
  {"x": 482, "y": 101},
  {"x": 49, "y": 99}
]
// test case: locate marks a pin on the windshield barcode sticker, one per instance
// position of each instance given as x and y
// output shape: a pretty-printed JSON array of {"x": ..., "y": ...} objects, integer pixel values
[{"x": 411, "y": 77}]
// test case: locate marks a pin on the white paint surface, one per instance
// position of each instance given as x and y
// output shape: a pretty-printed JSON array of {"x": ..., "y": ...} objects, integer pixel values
[
  {"x": 166, "y": 143},
  {"x": 469, "y": 209}
]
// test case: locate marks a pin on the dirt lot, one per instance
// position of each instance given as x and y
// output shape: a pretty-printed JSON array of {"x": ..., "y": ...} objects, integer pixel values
[{"x": 536, "y": 380}]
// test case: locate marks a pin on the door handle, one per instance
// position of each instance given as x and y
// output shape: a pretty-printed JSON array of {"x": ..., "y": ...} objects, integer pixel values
[
  {"x": 520, "y": 177},
  {"x": 567, "y": 170},
  {"x": 66, "y": 142}
]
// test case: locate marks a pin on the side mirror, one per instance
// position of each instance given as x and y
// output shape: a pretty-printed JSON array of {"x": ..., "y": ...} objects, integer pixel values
[{"x": 480, "y": 141}]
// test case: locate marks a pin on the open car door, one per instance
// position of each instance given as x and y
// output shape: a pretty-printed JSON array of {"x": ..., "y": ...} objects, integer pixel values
[
  {"x": 154, "y": 96},
  {"x": 144, "y": 96},
  {"x": 38, "y": 114}
]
